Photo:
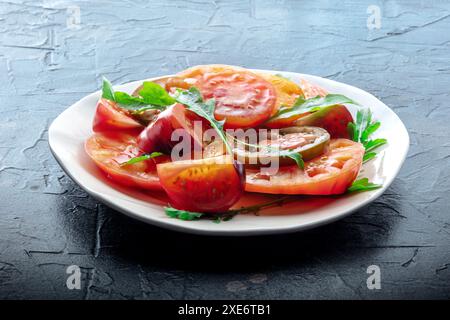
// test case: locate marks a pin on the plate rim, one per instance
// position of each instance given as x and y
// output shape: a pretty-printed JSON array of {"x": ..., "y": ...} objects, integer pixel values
[{"x": 186, "y": 227}]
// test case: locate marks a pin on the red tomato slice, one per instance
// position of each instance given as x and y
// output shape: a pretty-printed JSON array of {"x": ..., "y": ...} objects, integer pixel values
[
  {"x": 334, "y": 119},
  {"x": 157, "y": 136},
  {"x": 331, "y": 173},
  {"x": 109, "y": 117},
  {"x": 243, "y": 99},
  {"x": 205, "y": 185},
  {"x": 108, "y": 151}
]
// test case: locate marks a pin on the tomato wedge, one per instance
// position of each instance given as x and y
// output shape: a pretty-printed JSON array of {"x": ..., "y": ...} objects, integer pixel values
[
  {"x": 243, "y": 99},
  {"x": 205, "y": 185},
  {"x": 109, "y": 151},
  {"x": 109, "y": 117},
  {"x": 331, "y": 173}
]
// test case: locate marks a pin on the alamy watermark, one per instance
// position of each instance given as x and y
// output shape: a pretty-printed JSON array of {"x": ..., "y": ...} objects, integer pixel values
[
  {"x": 374, "y": 280},
  {"x": 374, "y": 18},
  {"x": 73, "y": 281}
]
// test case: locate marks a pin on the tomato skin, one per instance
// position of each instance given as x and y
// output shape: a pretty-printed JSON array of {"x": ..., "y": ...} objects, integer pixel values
[
  {"x": 334, "y": 119},
  {"x": 331, "y": 173},
  {"x": 110, "y": 149},
  {"x": 207, "y": 185},
  {"x": 109, "y": 117},
  {"x": 243, "y": 99},
  {"x": 157, "y": 136}
]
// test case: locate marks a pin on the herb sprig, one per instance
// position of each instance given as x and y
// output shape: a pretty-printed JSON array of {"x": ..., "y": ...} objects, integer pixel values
[
  {"x": 303, "y": 105},
  {"x": 150, "y": 96},
  {"x": 142, "y": 158},
  {"x": 193, "y": 100},
  {"x": 363, "y": 184},
  {"x": 226, "y": 215},
  {"x": 362, "y": 129}
]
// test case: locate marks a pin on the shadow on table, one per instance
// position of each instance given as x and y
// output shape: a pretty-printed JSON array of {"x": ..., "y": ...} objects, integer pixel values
[{"x": 123, "y": 238}]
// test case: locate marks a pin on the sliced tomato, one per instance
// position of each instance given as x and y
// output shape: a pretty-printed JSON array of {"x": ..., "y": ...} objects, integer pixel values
[
  {"x": 110, "y": 150},
  {"x": 157, "y": 136},
  {"x": 331, "y": 173},
  {"x": 109, "y": 117},
  {"x": 334, "y": 119},
  {"x": 243, "y": 99},
  {"x": 309, "y": 90},
  {"x": 287, "y": 91},
  {"x": 205, "y": 185}
]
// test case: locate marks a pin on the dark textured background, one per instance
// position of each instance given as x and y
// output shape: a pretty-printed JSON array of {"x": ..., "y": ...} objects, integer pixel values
[{"x": 48, "y": 223}]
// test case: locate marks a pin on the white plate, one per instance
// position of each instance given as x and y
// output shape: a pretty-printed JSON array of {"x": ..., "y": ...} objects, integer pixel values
[{"x": 71, "y": 128}]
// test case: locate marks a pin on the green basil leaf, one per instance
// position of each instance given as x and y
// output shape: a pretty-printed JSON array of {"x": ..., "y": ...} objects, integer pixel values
[
  {"x": 128, "y": 102},
  {"x": 153, "y": 93},
  {"x": 107, "y": 90}
]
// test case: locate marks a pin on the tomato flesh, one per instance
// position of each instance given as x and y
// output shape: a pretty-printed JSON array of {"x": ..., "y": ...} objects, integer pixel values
[
  {"x": 109, "y": 151},
  {"x": 205, "y": 185},
  {"x": 330, "y": 173},
  {"x": 243, "y": 99},
  {"x": 109, "y": 117},
  {"x": 286, "y": 90},
  {"x": 309, "y": 91}
]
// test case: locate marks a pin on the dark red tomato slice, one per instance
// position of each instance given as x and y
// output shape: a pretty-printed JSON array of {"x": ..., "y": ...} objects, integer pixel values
[
  {"x": 109, "y": 117},
  {"x": 243, "y": 99},
  {"x": 157, "y": 136},
  {"x": 110, "y": 150},
  {"x": 205, "y": 185},
  {"x": 331, "y": 173},
  {"x": 334, "y": 119}
]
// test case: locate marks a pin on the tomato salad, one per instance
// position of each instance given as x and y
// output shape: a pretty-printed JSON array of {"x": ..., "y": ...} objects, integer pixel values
[{"x": 208, "y": 134}]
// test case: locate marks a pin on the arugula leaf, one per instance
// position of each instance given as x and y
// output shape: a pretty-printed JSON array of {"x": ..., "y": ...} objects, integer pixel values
[
  {"x": 142, "y": 158},
  {"x": 363, "y": 185},
  {"x": 297, "y": 157},
  {"x": 362, "y": 129},
  {"x": 193, "y": 100},
  {"x": 182, "y": 214},
  {"x": 226, "y": 215},
  {"x": 311, "y": 105},
  {"x": 368, "y": 156},
  {"x": 373, "y": 144}
]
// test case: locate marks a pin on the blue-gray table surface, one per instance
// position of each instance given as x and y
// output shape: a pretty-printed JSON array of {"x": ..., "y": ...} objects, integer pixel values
[{"x": 53, "y": 53}]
